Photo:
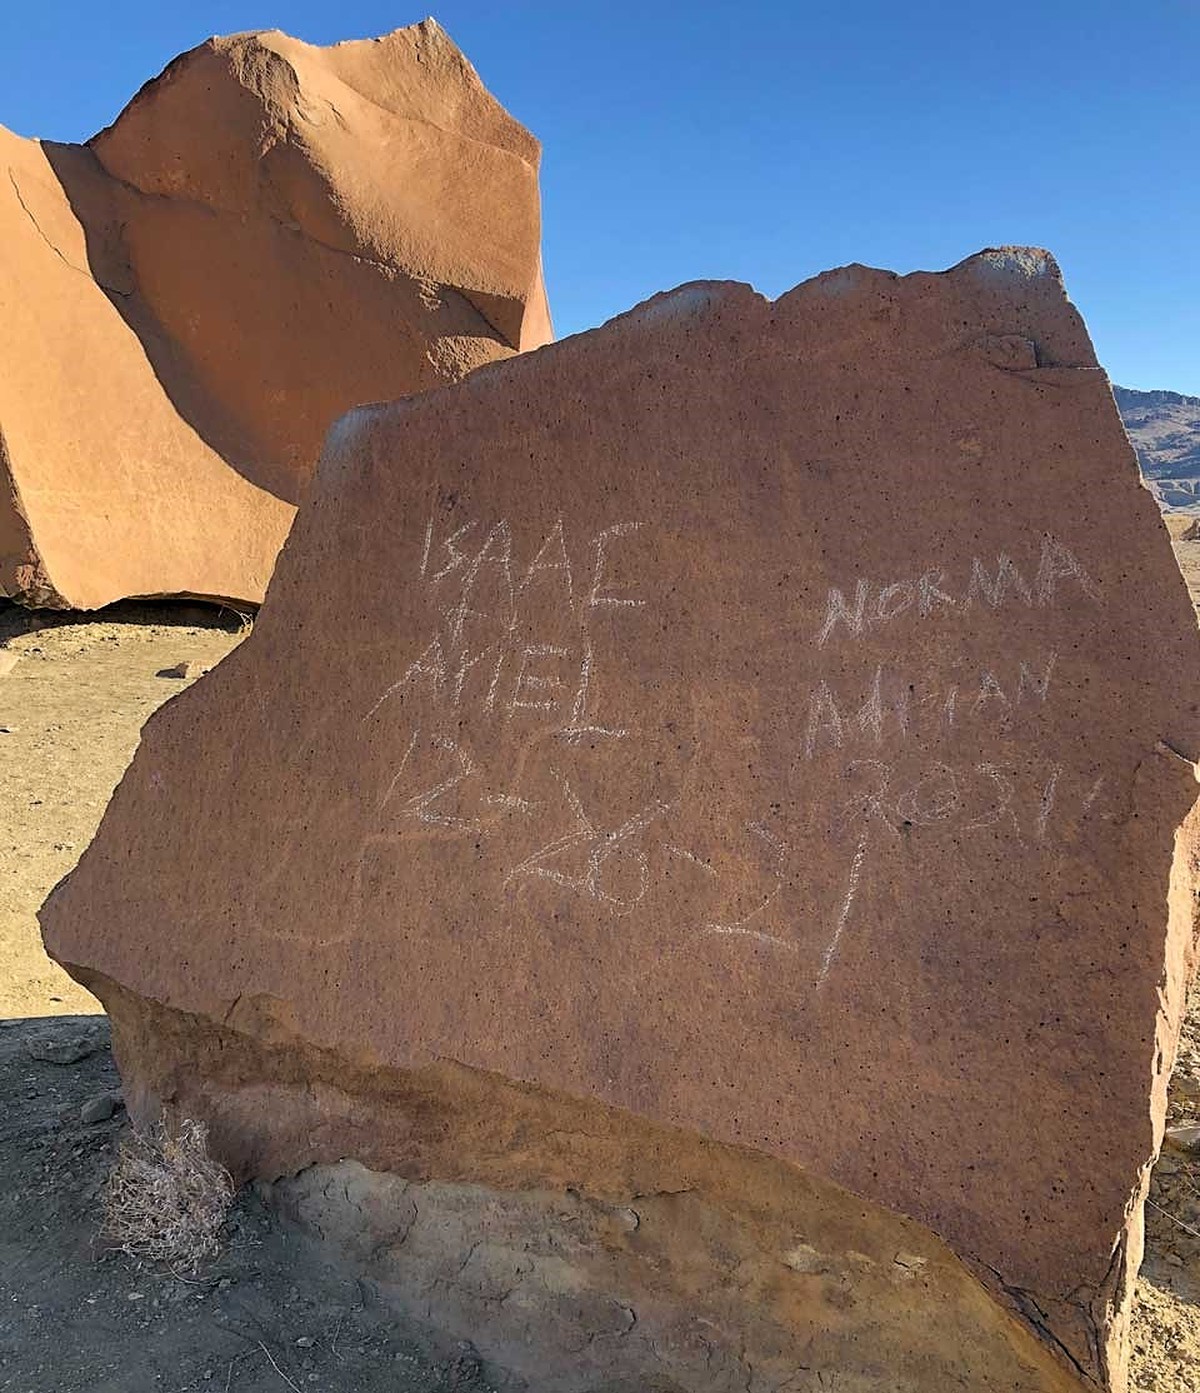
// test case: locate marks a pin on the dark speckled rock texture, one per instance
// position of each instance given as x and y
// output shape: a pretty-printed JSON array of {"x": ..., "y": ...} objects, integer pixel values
[{"x": 769, "y": 723}]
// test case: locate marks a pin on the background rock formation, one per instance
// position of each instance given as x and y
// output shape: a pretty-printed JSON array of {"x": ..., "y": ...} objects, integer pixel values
[
  {"x": 730, "y": 725},
  {"x": 269, "y": 234},
  {"x": 1165, "y": 430}
]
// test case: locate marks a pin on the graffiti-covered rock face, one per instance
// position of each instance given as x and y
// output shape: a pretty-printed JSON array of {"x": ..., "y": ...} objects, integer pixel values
[
  {"x": 730, "y": 720},
  {"x": 269, "y": 234}
]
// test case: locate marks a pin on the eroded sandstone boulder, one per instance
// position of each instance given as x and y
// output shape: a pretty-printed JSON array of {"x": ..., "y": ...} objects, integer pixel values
[
  {"x": 730, "y": 765},
  {"x": 268, "y": 235}
]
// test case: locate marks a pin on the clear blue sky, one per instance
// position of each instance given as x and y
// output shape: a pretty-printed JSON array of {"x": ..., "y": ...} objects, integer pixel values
[{"x": 765, "y": 142}]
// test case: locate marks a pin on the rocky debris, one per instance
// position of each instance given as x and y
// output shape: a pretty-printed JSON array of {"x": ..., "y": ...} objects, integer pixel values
[
  {"x": 1184, "y": 1138},
  {"x": 178, "y": 670},
  {"x": 58, "y": 1048},
  {"x": 1186, "y": 1085},
  {"x": 100, "y": 1108},
  {"x": 749, "y": 758},
  {"x": 269, "y": 234},
  {"x": 1166, "y": 1324},
  {"x": 1165, "y": 430}
]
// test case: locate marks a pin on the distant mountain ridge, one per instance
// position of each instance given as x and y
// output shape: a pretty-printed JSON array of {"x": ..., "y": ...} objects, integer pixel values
[{"x": 1164, "y": 429}]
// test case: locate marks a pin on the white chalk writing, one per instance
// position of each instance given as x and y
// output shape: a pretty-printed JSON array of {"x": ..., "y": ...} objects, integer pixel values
[
  {"x": 479, "y": 658},
  {"x": 891, "y": 707},
  {"x": 526, "y": 633},
  {"x": 992, "y": 584}
]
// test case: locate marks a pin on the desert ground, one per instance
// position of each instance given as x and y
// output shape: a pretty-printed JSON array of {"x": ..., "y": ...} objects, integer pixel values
[{"x": 266, "y": 1314}]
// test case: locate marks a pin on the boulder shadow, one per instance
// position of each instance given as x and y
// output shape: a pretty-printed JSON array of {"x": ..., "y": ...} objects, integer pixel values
[{"x": 104, "y": 208}]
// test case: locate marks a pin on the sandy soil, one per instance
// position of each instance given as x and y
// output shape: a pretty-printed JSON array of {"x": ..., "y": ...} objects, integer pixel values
[
  {"x": 267, "y": 1315},
  {"x": 71, "y": 708}
]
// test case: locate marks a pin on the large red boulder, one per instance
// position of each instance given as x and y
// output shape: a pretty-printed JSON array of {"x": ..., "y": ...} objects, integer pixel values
[
  {"x": 268, "y": 235},
  {"x": 765, "y": 723}
]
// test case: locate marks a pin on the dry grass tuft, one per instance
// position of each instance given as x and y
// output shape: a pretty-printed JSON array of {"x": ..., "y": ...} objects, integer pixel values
[{"x": 166, "y": 1198}]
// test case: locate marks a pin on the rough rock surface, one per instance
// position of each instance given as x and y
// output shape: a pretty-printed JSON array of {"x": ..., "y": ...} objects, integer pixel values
[
  {"x": 729, "y": 723},
  {"x": 268, "y": 235},
  {"x": 751, "y": 1277}
]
